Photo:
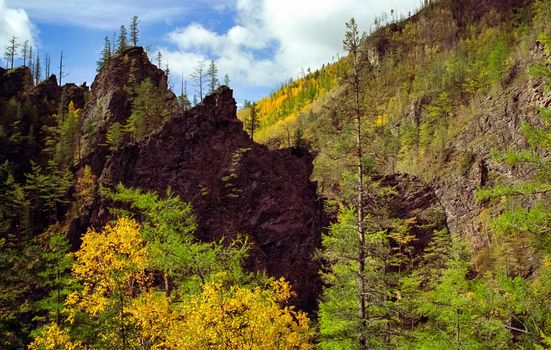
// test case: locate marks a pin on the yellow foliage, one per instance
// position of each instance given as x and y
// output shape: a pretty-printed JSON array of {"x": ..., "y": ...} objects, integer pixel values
[
  {"x": 240, "y": 318},
  {"x": 382, "y": 120},
  {"x": 152, "y": 316},
  {"x": 54, "y": 338},
  {"x": 110, "y": 262}
]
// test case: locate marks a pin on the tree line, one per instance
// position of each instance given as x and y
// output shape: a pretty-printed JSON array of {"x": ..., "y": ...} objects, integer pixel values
[{"x": 40, "y": 67}]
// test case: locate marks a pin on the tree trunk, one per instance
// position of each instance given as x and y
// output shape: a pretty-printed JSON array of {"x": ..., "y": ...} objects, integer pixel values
[{"x": 361, "y": 231}]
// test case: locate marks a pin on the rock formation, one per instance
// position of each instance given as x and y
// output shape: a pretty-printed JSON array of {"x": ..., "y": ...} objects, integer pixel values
[
  {"x": 111, "y": 101},
  {"x": 235, "y": 185}
]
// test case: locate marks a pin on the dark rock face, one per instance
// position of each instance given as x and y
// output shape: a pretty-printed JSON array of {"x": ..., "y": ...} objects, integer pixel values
[
  {"x": 15, "y": 82},
  {"x": 235, "y": 186},
  {"x": 111, "y": 101}
]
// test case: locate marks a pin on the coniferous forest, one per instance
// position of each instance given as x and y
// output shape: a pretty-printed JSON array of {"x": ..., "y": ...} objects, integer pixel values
[{"x": 397, "y": 197}]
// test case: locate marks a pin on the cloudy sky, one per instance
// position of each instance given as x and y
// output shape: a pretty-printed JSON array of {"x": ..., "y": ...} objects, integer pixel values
[{"x": 258, "y": 43}]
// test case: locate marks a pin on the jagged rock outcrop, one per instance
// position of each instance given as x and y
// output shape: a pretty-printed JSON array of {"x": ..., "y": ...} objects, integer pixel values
[
  {"x": 111, "y": 101},
  {"x": 37, "y": 107},
  {"x": 15, "y": 82},
  {"x": 235, "y": 186}
]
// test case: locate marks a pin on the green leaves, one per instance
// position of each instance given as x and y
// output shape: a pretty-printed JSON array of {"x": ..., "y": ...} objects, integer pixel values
[{"x": 168, "y": 226}]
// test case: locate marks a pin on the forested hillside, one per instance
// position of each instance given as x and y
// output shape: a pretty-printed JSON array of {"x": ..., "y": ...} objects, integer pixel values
[
  {"x": 398, "y": 197},
  {"x": 454, "y": 96}
]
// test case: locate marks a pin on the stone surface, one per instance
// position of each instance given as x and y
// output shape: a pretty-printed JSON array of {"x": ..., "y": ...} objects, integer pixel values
[
  {"x": 111, "y": 101},
  {"x": 235, "y": 186}
]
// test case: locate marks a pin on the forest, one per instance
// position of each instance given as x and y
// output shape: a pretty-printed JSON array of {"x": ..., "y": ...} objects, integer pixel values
[{"x": 398, "y": 197}]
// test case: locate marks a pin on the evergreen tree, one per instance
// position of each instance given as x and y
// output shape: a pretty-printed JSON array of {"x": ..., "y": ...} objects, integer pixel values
[
  {"x": 212, "y": 73},
  {"x": 61, "y": 66},
  {"x": 30, "y": 59},
  {"x": 25, "y": 52},
  {"x": 37, "y": 68},
  {"x": 226, "y": 80},
  {"x": 55, "y": 277},
  {"x": 149, "y": 110},
  {"x": 251, "y": 120},
  {"x": 183, "y": 99},
  {"x": 68, "y": 136},
  {"x": 134, "y": 31},
  {"x": 122, "y": 40},
  {"x": 352, "y": 46},
  {"x": 159, "y": 59},
  {"x": 115, "y": 135},
  {"x": 47, "y": 66},
  {"x": 106, "y": 54},
  {"x": 198, "y": 77}
]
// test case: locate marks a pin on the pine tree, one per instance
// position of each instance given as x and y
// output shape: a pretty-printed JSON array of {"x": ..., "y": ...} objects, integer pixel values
[
  {"x": 47, "y": 65},
  {"x": 37, "y": 68},
  {"x": 115, "y": 135},
  {"x": 25, "y": 52},
  {"x": 106, "y": 54},
  {"x": 61, "y": 66},
  {"x": 183, "y": 100},
  {"x": 134, "y": 31},
  {"x": 122, "y": 40},
  {"x": 352, "y": 46},
  {"x": 227, "y": 80},
  {"x": 55, "y": 276},
  {"x": 159, "y": 59},
  {"x": 251, "y": 120},
  {"x": 30, "y": 59},
  {"x": 149, "y": 110},
  {"x": 198, "y": 77},
  {"x": 212, "y": 73}
]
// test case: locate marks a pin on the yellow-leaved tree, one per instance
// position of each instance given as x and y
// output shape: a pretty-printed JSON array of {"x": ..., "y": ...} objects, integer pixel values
[
  {"x": 124, "y": 302},
  {"x": 241, "y": 318},
  {"x": 111, "y": 267},
  {"x": 53, "y": 337}
]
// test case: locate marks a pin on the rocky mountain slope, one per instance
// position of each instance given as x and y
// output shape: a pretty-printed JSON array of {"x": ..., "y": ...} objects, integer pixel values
[
  {"x": 235, "y": 185},
  {"x": 111, "y": 101}
]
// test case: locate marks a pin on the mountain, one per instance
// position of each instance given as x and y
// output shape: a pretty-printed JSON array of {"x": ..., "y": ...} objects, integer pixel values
[
  {"x": 235, "y": 185},
  {"x": 396, "y": 198}
]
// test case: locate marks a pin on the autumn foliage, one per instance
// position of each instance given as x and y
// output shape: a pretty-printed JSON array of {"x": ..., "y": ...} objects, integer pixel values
[{"x": 120, "y": 304}]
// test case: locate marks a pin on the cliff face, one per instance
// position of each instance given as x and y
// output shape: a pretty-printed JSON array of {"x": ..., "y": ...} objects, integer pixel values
[
  {"x": 235, "y": 186},
  {"x": 497, "y": 127},
  {"x": 25, "y": 112},
  {"x": 111, "y": 101}
]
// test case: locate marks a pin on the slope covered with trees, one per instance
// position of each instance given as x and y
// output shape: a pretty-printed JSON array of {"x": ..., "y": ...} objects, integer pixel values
[
  {"x": 431, "y": 140},
  {"x": 453, "y": 96}
]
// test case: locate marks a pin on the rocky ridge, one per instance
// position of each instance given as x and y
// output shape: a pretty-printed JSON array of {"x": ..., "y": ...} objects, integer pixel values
[{"x": 235, "y": 185}]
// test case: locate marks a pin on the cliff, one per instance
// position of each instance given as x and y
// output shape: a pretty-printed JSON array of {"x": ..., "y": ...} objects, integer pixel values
[{"x": 235, "y": 186}]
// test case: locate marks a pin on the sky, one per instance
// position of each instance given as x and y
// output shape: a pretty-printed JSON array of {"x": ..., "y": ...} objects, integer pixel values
[{"x": 258, "y": 43}]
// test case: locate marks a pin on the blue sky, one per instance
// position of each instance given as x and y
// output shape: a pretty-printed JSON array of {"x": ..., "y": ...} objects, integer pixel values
[{"x": 258, "y": 43}]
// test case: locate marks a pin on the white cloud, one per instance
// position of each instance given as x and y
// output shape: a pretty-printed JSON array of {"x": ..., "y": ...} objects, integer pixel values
[
  {"x": 272, "y": 40},
  {"x": 14, "y": 22}
]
